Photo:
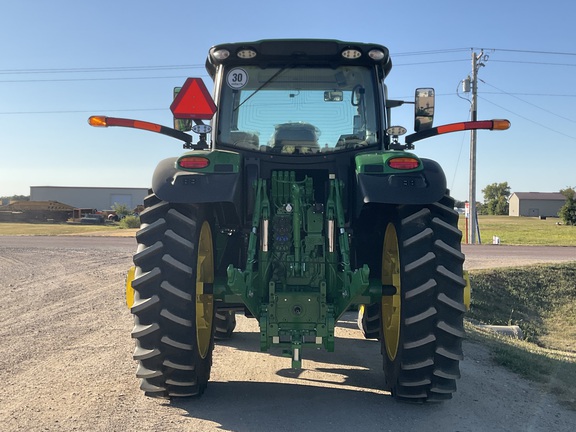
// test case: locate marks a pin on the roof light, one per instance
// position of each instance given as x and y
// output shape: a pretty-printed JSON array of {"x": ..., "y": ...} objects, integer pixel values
[
  {"x": 221, "y": 54},
  {"x": 351, "y": 53},
  {"x": 246, "y": 53},
  {"x": 193, "y": 162},
  {"x": 404, "y": 163},
  {"x": 376, "y": 54}
]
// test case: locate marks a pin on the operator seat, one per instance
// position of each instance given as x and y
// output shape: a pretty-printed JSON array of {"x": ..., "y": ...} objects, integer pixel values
[{"x": 299, "y": 137}]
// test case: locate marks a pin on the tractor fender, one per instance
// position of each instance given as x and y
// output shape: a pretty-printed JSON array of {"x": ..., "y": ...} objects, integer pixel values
[
  {"x": 177, "y": 186},
  {"x": 421, "y": 187}
]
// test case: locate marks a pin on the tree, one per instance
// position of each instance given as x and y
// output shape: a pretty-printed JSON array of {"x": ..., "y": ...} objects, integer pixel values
[
  {"x": 121, "y": 210},
  {"x": 16, "y": 198},
  {"x": 496, "y": 198},
  {"x": 568, "y": 211},
  {"x": 459, "y": 204}
]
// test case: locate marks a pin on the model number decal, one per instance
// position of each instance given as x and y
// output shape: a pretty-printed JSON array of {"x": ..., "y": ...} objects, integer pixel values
[{"x": 237, "y": 78}]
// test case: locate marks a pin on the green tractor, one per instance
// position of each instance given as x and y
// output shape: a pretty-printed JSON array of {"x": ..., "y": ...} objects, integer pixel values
[{"x": 297, "y": 203}]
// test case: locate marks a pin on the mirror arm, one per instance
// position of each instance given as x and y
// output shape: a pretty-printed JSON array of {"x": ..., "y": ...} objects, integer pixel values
[{"x": 392, "y": 103}]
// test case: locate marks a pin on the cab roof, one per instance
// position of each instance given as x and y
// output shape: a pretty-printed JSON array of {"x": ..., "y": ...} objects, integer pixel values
[{"x": 273, "y": 52}]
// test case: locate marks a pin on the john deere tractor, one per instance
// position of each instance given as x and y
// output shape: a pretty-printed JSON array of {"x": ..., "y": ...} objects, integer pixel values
[{"x": 294, "y": 202}]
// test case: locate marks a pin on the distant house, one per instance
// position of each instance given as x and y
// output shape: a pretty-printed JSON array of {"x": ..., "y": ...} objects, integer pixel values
[{"x": 535, "y": 204}]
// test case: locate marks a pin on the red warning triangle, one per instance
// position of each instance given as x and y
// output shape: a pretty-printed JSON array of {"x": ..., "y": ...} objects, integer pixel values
[{"x": 193, "y": 101}]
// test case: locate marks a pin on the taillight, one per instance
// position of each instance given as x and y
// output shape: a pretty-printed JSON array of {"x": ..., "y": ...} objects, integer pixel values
[
  {"x": 193, "y": 162},
  {"x": 404, "y": 163}
]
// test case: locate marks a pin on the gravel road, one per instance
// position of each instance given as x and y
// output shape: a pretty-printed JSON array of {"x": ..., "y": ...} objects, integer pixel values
[{"x": 66, "y": 364}]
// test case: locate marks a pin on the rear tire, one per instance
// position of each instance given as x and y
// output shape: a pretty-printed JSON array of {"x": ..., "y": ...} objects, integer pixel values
[
  {"x": 173, "y": 300},
  {"x": 369, "y": 320},
  {"x": 224, "y": 324},
  {"x": 422, "y": 324}
]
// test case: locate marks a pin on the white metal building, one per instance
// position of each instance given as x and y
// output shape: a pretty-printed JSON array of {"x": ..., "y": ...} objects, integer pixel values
[
  {"x": 99, "y": 198},
  {"x": 535, "y": 204}
]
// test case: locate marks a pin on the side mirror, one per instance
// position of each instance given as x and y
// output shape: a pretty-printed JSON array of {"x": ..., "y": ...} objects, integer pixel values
[
  {"x": 183, "y": 125},
  {"x": 423, "y": 109}
]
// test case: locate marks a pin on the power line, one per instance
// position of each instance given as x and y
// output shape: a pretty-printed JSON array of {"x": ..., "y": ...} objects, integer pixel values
[
  {"x": 530, "y": 51},
  {"x": 80, "y": 111},
  {"x": 430, "y": 62},
  {"x": 528, "y": 119},
  {"x": 91, "y": 79},
  {"x": 534, "y": 63},
  {"x": 452, "y": 50},
  {"x": 529, "y": 103},
  {"x": 439, "y": 51},
  {"x": 99, "y": 69},
  {"x": 523, "y": 94}
]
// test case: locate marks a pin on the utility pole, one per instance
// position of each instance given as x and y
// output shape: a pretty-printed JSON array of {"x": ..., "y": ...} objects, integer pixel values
[{"x": 473, "y": 225}]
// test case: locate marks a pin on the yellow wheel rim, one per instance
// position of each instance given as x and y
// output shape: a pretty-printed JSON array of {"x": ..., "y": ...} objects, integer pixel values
[
  {"x": 391, "y": 305},
  {"x": 129, "y": 290},
  {"x": 204, "y": 300}
]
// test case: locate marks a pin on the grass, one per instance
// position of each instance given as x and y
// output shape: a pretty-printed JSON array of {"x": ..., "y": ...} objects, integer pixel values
[
  {"x": 541, "y": 300},
  {"x": 554, "y": 371},
  {"x": 511, "y": 230},
  {"x": 33, "y": 229},
  {"x": 524, "y": 231}
]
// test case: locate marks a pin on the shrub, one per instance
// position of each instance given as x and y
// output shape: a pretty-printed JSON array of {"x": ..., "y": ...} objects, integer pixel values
[
  {"x": 121, "y": 210},
  {"x": 130, "y": 222},
  {"x": 568, "y": 211}
]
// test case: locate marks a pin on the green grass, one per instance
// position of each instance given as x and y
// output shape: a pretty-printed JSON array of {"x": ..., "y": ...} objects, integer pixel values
[
  {"x": 511, "y": 230},
  {"x": 533, "y": 298},
  {"x": 58, "y": 229},
  {"x": 554, "y": 371},
  {"x": 524, "y": 231},
  {"x": 541, "y": 300}
]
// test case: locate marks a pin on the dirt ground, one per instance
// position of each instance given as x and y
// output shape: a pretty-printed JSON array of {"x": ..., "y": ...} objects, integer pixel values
[{"x": 66, "y": 365}]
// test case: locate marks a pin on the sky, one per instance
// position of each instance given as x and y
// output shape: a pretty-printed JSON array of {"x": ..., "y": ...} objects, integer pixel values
[{"x": 64, "y": 60}]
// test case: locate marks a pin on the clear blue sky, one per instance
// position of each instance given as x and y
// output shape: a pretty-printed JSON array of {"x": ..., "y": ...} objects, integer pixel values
[{"x": 63, "y": 60}]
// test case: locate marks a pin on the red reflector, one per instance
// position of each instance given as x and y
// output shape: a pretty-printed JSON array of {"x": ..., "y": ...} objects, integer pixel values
[
  {"x": 193, "y": 162},
  {"x": 404, "y": 163},
  {"x": 193, "y": 101}
]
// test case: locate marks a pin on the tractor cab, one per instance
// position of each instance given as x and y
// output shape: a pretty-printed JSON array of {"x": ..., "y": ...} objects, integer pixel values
[{"x": 300, "y": 98}]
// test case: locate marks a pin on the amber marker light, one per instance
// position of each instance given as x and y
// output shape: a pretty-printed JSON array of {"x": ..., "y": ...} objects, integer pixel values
[
  {"x": 501, "y": 124},
  {"x": 404, "y": 163},
  {"x": 97, "y": 121},
  {"x": 193, "y": 162}
]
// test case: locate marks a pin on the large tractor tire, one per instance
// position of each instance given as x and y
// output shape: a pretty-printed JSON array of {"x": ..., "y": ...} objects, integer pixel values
[
  {"x": 369, "y": 320},
  {"x": 422, "y": 323},
  {"x": 224, "y": 324},
  {"x": 173, "y": 300}
]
